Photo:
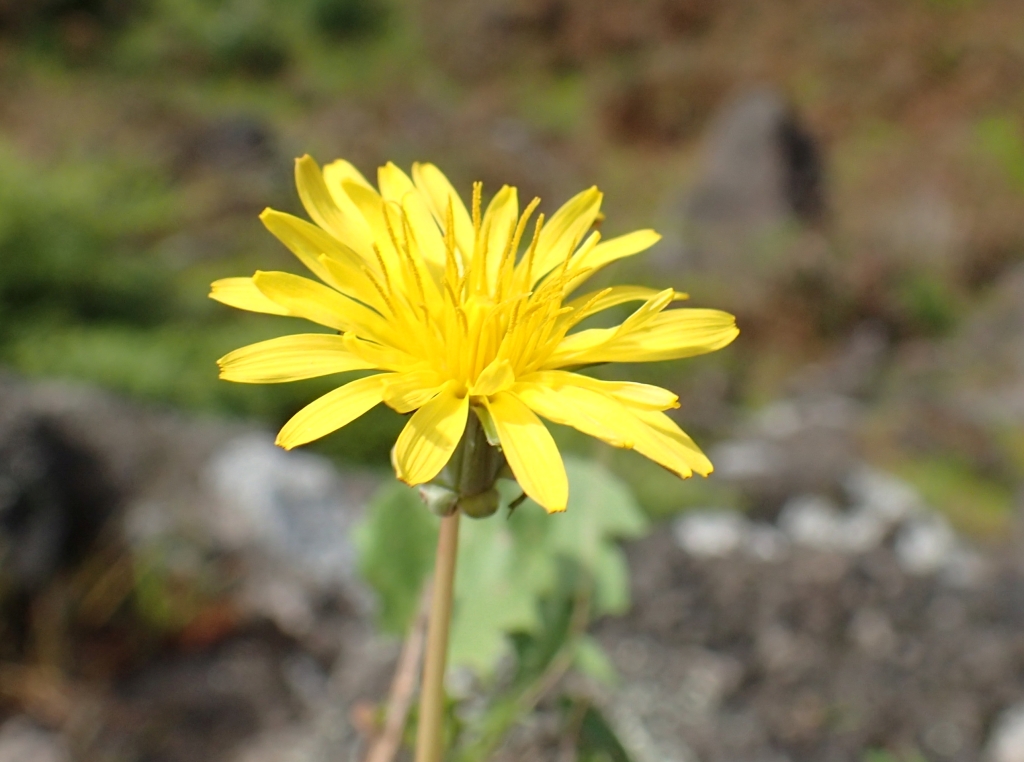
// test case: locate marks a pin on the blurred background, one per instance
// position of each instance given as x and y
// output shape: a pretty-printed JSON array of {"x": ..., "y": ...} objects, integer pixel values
[{"x": 846, "y": 176}]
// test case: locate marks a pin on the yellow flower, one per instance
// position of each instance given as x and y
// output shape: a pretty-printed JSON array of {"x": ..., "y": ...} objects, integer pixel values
[{"x": 464, "y": 309}]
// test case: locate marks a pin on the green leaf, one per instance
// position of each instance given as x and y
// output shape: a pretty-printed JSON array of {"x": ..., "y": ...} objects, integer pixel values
[
  {"x": 396, "y": 542},
  {"x": 598, "y": 740},
  {"x": 506, "y": 565},
  {"x": 592, "y": 661},
  {"x": 498, "y": 580}
]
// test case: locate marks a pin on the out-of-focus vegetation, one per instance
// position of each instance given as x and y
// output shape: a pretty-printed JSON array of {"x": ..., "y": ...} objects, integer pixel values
[
  {"x": 527, "y": 587},
  {"x": 139, "y": 139}
]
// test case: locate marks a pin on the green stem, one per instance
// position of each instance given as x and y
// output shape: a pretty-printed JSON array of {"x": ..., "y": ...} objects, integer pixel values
[{"x": 430, "y": 732}]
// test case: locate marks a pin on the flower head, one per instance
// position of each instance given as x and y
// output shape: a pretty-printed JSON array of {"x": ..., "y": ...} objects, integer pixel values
[{"x": 466, "y": 308}]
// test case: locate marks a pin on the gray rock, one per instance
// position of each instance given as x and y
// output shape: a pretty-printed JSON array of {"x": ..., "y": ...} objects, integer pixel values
[
  {"x": 815, "y": 521},
  {"x": 755, "y": 174},
  {"x": 294, "y": 505},
  {"x": 925, "y": 544},
  {"x": 760, "y": 170},
  {"x": 794, "y": 446},
  {"x": 23, "y": 741},
  {"x": 711, "y": 534},
  {"x": 1006, "y": 744},
  {"x": 883, "y": 495}
]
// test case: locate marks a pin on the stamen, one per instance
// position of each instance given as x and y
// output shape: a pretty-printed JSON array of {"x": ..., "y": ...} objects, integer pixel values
[
  {"x": 583, "y": 312},
  {"x": 508, "y": 257},
  {"x": 410, "y": 235},
  {"x": 451, "y": 293},
  {"x": 480, "y": 258},
  {"x": 388, "y": 225},
  {"x": 532, "y": 252},
  {"x": 380, "y": 289},
  {"x": 451, "y": 264},
  {"x": 383, "y": 268},
  {"x": 478, "y": 191}
]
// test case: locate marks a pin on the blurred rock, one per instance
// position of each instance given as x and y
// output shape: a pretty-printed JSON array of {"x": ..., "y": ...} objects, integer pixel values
[
  {"x": 853, "y": 369},
  {"x": 986, "y": 357},
  {"x": 711, "y": 534},
  {"x": 22, "y": 741},
  {"x": 761, "y": 170},
  {"x": 816, "y": 522},
  {"x": 911, "y": 660},
  {"x": 290, "y": 514},
  {"x": 720, "y": 533},
  {"x": 234, "y": 611},
  {"x": 925, "y": 544},
  {"x": 761, "y": 166},
  {"x": 800, "y": 445},
  {"x": 882, "y": 494},
  {"x": 1007, "y": 741},
  {"x": 55, "y": 496}
]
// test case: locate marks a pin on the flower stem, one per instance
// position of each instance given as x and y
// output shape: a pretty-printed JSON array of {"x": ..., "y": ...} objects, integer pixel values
[{"x": 430, "y": 732}]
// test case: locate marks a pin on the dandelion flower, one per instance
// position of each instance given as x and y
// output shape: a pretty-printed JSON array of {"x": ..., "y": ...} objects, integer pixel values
[{"x": 459, "y": 309}]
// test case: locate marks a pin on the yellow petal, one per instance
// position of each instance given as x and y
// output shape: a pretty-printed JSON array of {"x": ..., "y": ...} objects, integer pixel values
[
  {"x": 242, "y": 294},
  {"x": 351, "y": 280},
  {"x": 393, "y": 182},
  {"x": 430, "y": 437},
  {"x": 438, "y": 191},
  {"x": 576, "y": 407},
  {"x": 408, "y": 391},
  {"x": 311, "y": 245},
  {"x": 668, "y": 429},
  {"x": 290, "y": 358},
  {"x": 310, "y": 300},
  {"x": 332, "y": 411},
  {"x": 339, "y": 171},
  {"x": 530, "y": 451},
  {"x": 607, "y": 419},
  {"x": 425, "y": 230},
  {"x": 325, "y": 212},
  {"x": 676, "y": 334},
  {"x": 567, "y": 227},
  {"x": 645, "y": 313},
  {"x": 496, "y": 377},
  {"x": 613, "y": 249},
  {"x": 336, "y": 174},
  {"x": 500, "y": 219},
  {"x": 667, "y": 336},
  {"x": 613, "y": 297},
  {"x": 643, "y": 396},
  {"x": 381, "y": 356},
  {"x": 371, "y": 207}
]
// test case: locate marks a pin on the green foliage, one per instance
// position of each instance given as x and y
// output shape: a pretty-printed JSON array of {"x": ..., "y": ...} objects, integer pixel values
[
  {"x": 346, "y": 19},
  {"x": 253, "y": 38},
  {"x": 1001, "y": 140},
  {"x": 527, "y": 585},
  {"x": 66, "y": 243},
  {"x": 506, "y": 567},
  {"x": 883, "y": 755},
  {"x": 597, "y": 739},
  {"x": 975, "y": 504},
  {"x": 928, "y": 304},
  {"x": 86, "y": 294},
  {"x": 396, "y": 552}
]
